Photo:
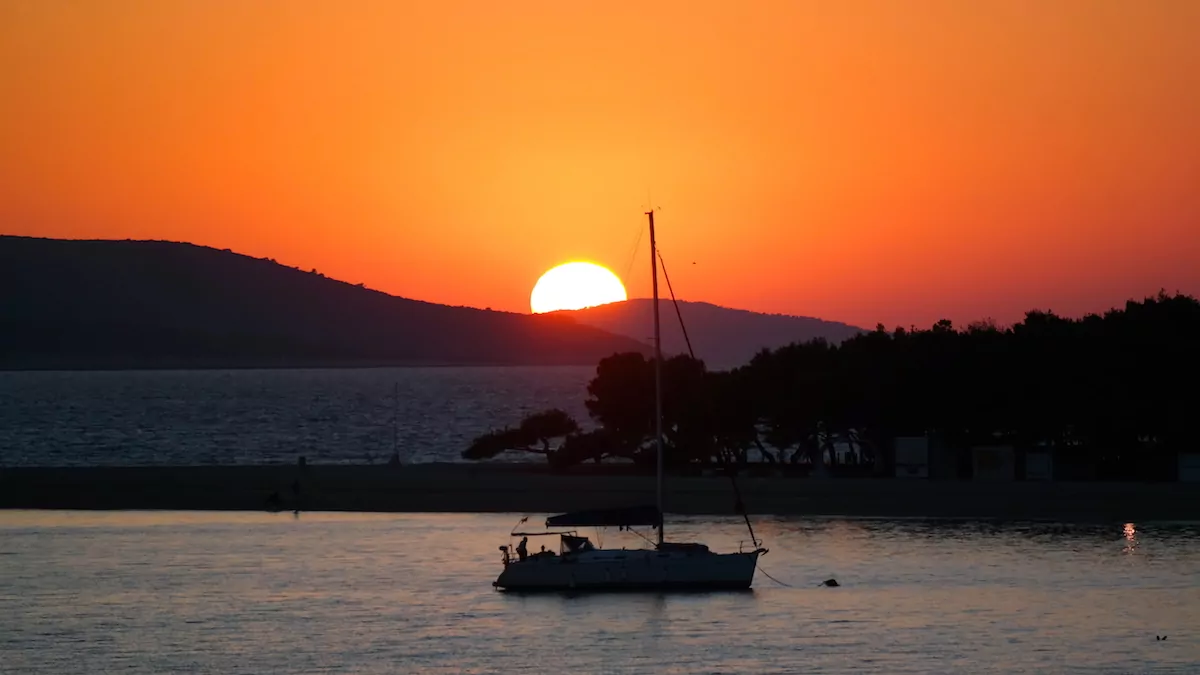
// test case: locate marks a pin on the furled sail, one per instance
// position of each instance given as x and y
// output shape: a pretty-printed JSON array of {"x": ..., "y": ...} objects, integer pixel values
[{"x": 623, "y": 517}]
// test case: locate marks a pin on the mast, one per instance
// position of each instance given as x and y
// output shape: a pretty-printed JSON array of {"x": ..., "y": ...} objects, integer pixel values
[{"x": 658, "y": 434}]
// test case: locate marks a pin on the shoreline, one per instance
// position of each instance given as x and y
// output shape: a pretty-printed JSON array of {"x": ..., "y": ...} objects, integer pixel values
[
  {"x": 316, "y": 365},
  {"x": 513, "y": 488}
]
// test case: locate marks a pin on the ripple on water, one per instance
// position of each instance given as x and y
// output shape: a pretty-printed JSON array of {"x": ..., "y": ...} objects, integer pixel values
[
  {"x": 252, "y": 593},
  {"x": 269, "y": 416}
]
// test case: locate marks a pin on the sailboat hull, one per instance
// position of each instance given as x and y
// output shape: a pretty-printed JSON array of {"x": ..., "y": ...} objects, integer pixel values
[{"x": 631, "y": 571}]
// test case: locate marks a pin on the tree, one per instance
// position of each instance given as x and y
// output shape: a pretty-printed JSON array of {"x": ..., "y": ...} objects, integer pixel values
[
  {"x": 1117, "y": 390},
  {"x": 533, "y": 435}
]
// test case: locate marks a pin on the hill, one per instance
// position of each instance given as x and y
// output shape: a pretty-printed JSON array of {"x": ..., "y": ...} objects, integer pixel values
[
  {"x": 138, "y": 304},
  {"x": 721, "y": 336}
]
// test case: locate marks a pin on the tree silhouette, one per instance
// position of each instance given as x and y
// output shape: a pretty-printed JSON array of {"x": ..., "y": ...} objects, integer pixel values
[
  {"x": 533, "y": 435},
  {"x": 1117, "y": 392}
]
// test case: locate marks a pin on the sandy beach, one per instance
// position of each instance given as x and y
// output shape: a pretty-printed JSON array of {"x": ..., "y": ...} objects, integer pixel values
[{"x": 513, "y": 488}]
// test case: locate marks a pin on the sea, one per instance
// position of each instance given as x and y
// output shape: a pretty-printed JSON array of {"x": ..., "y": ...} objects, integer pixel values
[
  {"x": 241, "y": 592},
  {"x": 328, "y": 416},
  {"x": 230, "y": 593}
]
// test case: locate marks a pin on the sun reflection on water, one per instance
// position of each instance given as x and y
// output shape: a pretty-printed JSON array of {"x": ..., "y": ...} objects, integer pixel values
[
  {"x": 1131, "y": 542},
  {"x": 228, "y": 592}
]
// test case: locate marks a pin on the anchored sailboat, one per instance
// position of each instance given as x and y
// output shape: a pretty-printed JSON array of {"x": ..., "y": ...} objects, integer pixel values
[{"x": 579, "y": 565}]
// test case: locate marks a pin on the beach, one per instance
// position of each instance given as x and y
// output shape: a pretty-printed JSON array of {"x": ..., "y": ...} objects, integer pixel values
[{"x": 515, "y": 488}]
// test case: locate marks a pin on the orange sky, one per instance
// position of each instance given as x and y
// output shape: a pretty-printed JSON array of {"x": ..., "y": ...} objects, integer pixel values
[{"x": 893, "y": 162}]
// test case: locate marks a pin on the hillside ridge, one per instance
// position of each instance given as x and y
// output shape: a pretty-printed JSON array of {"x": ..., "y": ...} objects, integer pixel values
[{"x": 151, "y": 303}]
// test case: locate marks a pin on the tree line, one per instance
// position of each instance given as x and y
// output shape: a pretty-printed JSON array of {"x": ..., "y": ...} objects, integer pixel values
[{"x": 1114, "y": 388}]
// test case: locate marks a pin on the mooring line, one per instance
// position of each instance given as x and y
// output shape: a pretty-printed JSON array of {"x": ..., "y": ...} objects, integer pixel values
[{"x": 768, "y": 575}]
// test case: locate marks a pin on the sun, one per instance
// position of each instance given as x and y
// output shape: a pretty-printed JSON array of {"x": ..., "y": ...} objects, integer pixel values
[{"x": 575, "y": 285}]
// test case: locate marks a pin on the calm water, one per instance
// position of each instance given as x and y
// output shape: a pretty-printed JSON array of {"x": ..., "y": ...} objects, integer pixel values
[
  {"x": 268, "y": 416},
  {"x": 346, "y": 593}
]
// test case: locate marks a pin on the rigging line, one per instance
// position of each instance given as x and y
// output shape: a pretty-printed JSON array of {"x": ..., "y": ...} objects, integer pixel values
[
  {"x": 642, "y": 537},
  {"x": 737, "y": 493},
  {"x": 632, "y": 257},
  {"x": 675, "y": 302}
]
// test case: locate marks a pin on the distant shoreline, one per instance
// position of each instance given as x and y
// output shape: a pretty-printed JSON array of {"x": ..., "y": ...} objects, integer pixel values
[
  {"x": 513, "y": 488},
  {"x": 8, "y": 368}
]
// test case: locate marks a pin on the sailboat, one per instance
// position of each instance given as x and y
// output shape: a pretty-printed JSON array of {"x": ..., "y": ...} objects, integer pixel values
[{"x": 580, "y": 565}]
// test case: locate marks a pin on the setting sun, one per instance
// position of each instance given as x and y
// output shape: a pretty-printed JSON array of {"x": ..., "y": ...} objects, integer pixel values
[{"x": 574, "y": 286}]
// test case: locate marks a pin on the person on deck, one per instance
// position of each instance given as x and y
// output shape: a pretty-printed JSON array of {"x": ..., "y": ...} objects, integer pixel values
[{"x": 522, "y": 551}]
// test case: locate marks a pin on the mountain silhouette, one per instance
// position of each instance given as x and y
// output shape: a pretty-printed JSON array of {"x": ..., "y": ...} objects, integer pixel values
[
  {"x": 144, "y": 304},
  {"x": 720, "y": 336}
]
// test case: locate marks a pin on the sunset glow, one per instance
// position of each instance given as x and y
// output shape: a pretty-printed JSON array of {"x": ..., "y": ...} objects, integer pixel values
[
  {"x": 575, "y": 285},
  {"x": 868, "y": 161}
]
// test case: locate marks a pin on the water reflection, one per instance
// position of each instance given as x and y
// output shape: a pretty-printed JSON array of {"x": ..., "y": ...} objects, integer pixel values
[
  {"x": 238, "y": 593},
  {"x": 1131, "y": 542}
]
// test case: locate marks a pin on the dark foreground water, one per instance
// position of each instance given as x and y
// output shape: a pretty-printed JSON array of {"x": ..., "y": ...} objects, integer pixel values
[
  {"x": 269, "y": 416},
  {"x": 228, "y": 593}
]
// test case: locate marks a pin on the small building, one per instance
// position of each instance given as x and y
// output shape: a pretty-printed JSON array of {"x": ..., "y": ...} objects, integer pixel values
[
  {"x": 912, "y": 457},
  {"x": 1189, "y": 467},
  {"x": 943, "y": 458},
  {"x": 1039, "y": 466}
]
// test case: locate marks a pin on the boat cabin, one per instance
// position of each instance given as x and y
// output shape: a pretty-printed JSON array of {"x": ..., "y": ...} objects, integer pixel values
[
  {"x": 575, "y": 544},
  {"x": 570, "y": 544}
]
